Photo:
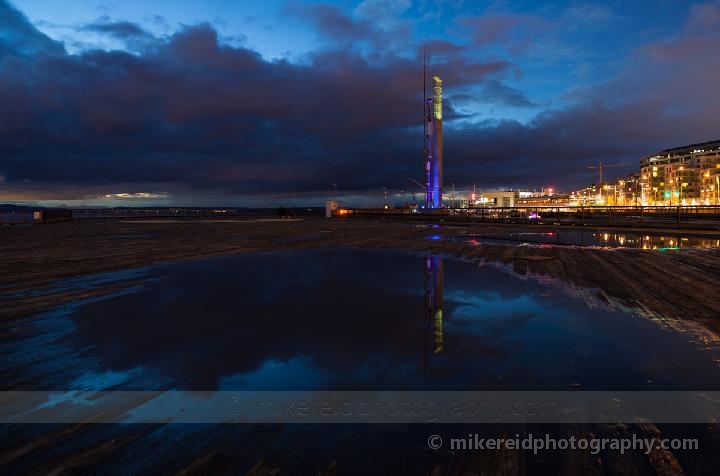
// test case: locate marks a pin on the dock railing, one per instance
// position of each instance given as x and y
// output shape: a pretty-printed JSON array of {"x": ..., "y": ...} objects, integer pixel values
[{"x": 706, "y": 216}]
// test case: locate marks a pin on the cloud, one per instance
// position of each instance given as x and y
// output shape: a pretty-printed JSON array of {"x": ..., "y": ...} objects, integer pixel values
[
  {"x": 493, "y": 91},
  {"x": 208, "y": 116},
  {"x": 134, "y": 195},
  {"x": 19, "y": 37},
  {"x": 132, "y": 35},
  {"x": 195, "y": 117},
  {"x": 376, "y": 29},
  {"x": 119, "y": 29},
  {"x": 440, "y": 48},
  {"x": 512, "y": 31},
  {"x": 331, "y": 22},
  {"x": 386, "y": 13},
  {"x": 588, "y": 13}
]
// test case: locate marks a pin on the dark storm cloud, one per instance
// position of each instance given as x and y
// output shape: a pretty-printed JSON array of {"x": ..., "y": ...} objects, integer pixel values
[
  {"x": 194, "y": 112},
  {"x": 197, "y": 116},
  {"x": 18, "y": 37}
]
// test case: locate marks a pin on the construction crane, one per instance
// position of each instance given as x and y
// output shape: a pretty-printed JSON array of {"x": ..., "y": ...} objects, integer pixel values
[
  {"x": 600, "y": 166},
  {"x": 422, "y": 187}
]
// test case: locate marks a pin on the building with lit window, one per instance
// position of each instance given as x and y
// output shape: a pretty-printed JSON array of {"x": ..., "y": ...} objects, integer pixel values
[
  {"x": 688, "y": 175},
  {"x": 544, "y": 199},
  {"x": 499, "y": 199}
]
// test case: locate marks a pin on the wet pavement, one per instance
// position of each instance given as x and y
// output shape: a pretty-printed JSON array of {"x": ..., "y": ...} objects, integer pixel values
[{"x": 332, "y": 319}]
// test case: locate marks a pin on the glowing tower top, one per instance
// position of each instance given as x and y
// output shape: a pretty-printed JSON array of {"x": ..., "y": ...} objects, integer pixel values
[{"x": 437, "y": 98}]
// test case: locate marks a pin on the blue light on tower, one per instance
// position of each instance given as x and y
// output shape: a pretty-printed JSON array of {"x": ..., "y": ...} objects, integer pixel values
[{"x": 433, "y": 145}]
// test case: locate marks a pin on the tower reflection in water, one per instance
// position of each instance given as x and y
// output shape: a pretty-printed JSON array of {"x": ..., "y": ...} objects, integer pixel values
[{"x": 434, "y": 300}]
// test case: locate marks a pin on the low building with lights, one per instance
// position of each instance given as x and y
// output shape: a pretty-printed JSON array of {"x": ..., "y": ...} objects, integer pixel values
[
  {"x": 499, "y": 199},
  {"x": 551, "y": 200}
]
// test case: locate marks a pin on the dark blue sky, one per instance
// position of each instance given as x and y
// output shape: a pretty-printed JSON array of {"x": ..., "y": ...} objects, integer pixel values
[{"x": 258, "y": 103}]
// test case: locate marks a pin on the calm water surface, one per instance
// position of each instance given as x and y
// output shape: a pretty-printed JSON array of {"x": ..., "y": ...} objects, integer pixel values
[{"x": 352, "y": 319}]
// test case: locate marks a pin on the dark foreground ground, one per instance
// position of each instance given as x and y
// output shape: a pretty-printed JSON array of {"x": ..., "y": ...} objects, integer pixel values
[
  {"x": 674, "y": 284},
  {"x": 677, "y": 287}
]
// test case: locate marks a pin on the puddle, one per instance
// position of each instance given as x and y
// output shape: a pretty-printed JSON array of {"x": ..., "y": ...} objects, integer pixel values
[
  {"x": 345, "y": 320},
  {"x": 591, "y": 238}
]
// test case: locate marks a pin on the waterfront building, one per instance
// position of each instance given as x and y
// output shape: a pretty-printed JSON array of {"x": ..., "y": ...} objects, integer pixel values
[
  {"x": 554, "y": 200},
  {"x": 688, "y": 175},
  {"x": 499, "y": 199}
]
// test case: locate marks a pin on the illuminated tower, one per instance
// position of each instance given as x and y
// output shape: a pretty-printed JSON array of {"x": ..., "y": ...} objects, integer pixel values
[{"x": 434, "y": 145}]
